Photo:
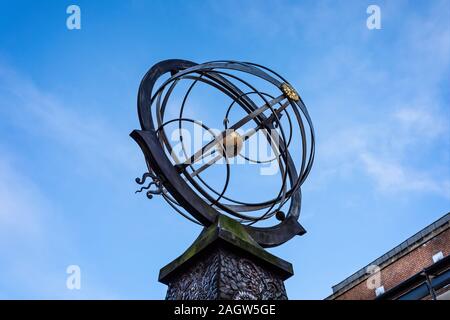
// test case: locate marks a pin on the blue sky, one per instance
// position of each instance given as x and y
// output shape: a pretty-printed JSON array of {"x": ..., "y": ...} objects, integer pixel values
[{"x": 379, "y": 100}]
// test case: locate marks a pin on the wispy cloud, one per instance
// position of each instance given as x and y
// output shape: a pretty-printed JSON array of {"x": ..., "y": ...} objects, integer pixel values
[
  {"x": 30, "y": 260},
  {"x": 391, "y": 152},
  {"x": 22, "y": 209},
  {"x": 392, "y": 120},
  {"x": 33, "y": 230},
  {"x": 88, "y": 137},
  {"x": 394, "y": 177},
  {"x": 420, "y": 122}
]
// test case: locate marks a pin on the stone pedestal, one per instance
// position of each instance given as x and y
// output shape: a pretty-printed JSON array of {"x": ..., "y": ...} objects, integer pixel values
[{"x": 224, "y": 262}]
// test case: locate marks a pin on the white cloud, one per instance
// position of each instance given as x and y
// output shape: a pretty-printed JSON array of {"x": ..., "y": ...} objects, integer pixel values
[
  {"x": 388, "y": 152},
  {"x": 393, "y": 126},
  {"x": 393, "y": 177},
  {"x": 29, "y": 259},
  {"x": 22, "y": 208},
  {"x": 32, "y": 263},
  {"x": 418, "y": 121},
  {"x": 88, "y": 137}
]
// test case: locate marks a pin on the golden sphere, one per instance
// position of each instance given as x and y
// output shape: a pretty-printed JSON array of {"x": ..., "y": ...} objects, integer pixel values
[
  {"x": 289, "y": 92},
  {"x": 231, "y": 144}
]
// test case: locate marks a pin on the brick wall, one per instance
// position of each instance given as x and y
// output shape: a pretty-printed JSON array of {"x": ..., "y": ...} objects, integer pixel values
[{"x": 393, "y": 273}]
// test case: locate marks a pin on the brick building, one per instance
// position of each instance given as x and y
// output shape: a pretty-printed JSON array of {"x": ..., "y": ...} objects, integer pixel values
[{"x": 418, "y": 268}]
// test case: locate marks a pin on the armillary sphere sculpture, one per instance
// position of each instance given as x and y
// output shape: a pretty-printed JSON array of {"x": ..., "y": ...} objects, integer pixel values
[{"x": 182, "y": 186}]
